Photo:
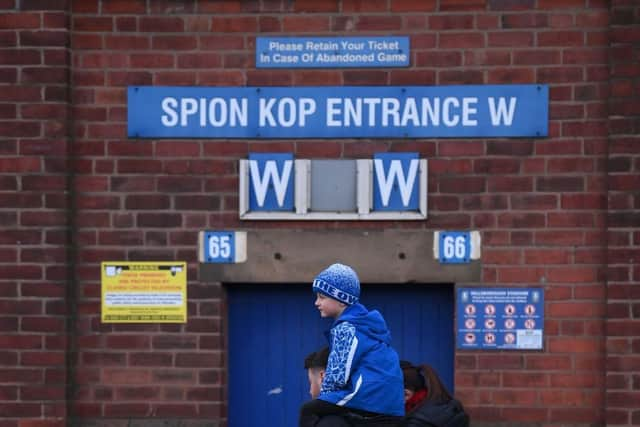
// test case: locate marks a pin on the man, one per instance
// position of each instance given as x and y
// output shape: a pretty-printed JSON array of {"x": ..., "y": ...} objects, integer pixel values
[{"x": 316, "y": 363}]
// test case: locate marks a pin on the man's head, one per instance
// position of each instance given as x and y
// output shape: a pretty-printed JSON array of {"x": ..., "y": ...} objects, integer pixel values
[
  {"x": 315, "y": 364},
  {"x": 340, "y": 283}
]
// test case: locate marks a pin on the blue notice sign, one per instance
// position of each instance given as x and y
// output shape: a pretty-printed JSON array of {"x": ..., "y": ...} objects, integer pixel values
[
  {"x": 332, "y": 52},
  {"x": 500, "y": 318},
  {"x": 339, "y": 112}
]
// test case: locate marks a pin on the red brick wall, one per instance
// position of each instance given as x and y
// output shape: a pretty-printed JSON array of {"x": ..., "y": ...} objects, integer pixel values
[
  {"x": 539, "y": 204},
  {"x": 623, "y": 290},
  {"x": 34, "y": 202}
]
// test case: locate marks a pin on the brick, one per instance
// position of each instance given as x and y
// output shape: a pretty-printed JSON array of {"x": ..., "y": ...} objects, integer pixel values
[
  {"x": 379, "y": 23},
  {"x": 21, "y": 200},
  {"x": 450, "y": 22},
  {"x": 155, "y": 60},
  {"x": 124, "y": 6},
  {"x": 42, "y": 324},
  {"x": 557, "y": 75},
  {"x": 511, "y": 4},
  {"x": 462, "y": 185},
  {"x": 173, "y": 43},
  {"x": 520, "y": 274},
  {"x": 147, "y": 201},
  {"x": 42, "y": 393},
  {"x": 150, "y": 359},
  {"x": 370, "y": 78},
  {"x": 623, "y": 219},
  {"x": 571, "y": 220},
  {"x": 508, "y": 397},
  {"x": 574, "y": 345},
  {"x": 126, "y": 409},
  {"x": 207, "y": 203},
  {"x": 561, "y": 4},
  {"x": 136, "y": 166},
  {"x": 176, "y": 410},
  {"x": 548, "y": 363},
  {"x": 363, "y": 6},
  {"x": 126, "y": 376},
  {"x": 120, "y": 238},
  {"x": 192, "y": 60},
  {"x": 565, "y": 38},
  {"x": 8, "y": 39},
  {"x": 401, "y": 6},
  {"x": 461, "y": 40},
  {"x": 559, "y": 184},
  {"x": 438, "y": 59},
  {"x": 19, "y": 410},
  {"x": 88, "y": 23},
  {"x": 159, "y": 220},
  {"x": 484, "y": 202},
  {"x": 177, "y": 184},
  {"x": 304, "y": 24},
  {"x": 137, "y": 393},
  {"x": 161, "y": 24},
  {"x": 44, "y": 38},
  {"x": 525, "y": 20}
]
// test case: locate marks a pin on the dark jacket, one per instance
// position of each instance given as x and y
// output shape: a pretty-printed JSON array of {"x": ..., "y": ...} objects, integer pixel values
[
  {"x": 435, "y": 414},
  {"x": 363, "y": 370}
]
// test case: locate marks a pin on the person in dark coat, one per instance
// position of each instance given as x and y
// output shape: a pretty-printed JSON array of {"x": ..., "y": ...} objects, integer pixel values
[{"x": 427, "y": 401}]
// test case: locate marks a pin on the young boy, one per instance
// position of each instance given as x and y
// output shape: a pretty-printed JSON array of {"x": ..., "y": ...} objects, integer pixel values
[{"x": 363, "y": 374}]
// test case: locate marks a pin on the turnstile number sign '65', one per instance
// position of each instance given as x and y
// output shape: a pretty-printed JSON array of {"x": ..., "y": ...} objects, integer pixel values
[
  {"x": 224, "y": 247},
  {"x": 219, "y": 247}
]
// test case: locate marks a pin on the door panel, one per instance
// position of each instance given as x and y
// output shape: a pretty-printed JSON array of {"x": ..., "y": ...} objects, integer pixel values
[{"x": 273, "y": 327}]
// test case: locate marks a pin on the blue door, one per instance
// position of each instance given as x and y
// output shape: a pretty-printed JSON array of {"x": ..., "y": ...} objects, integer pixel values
[{"x": 273, "y": 327}]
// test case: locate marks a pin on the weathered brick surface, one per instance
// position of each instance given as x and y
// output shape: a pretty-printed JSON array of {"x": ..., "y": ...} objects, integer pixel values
[
  {"x": 34, "y": 201},
  {"x": 622, "y": 326},
  {"x": 542, "y": 206}
]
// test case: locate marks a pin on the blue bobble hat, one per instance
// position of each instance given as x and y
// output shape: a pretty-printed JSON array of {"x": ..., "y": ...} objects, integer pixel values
[{"x": 339, "y": 282}]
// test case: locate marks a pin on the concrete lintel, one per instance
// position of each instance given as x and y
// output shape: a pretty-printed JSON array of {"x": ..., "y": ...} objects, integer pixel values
[{"x": 379, "y": 256}]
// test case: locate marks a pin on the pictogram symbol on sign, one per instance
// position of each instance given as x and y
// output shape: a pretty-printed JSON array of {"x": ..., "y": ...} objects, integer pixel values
[
  {"x": 509, "y": 338},
  {"x": 490, "y": 323},
  {"x": 470, "y": 338},
  {"x": 490, "y": 309},
  {"x": 530, "y": 309},
  {"x": 529, "y": 323},
  {"x": 509, "y": 323},
  {"x": 489, "y": 338},
  {"x": 470, "y": 309},
  {"x": 470, "y": 323},
  {"x": 509, "y": 309}
]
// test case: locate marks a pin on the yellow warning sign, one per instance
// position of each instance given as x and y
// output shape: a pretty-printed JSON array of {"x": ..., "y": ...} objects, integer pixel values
[{"x": 144, "y": 292}]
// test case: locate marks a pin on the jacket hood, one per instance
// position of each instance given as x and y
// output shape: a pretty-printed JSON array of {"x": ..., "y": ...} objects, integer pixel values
[{"x": 370, "y": 323}]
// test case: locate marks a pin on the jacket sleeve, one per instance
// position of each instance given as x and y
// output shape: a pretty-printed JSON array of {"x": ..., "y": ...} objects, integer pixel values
[{"x": 344, "y": 344}]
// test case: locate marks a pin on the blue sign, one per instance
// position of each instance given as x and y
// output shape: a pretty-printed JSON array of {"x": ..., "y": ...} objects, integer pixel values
[
  {"x": 395, "y": 182},
  {"x": 219, "y": 247},
  {"x": 339, "y": 112},
  {"x": 332, "y": 52},
  {"x": 271, "y": 177},
  {"x": 454, "y": 247},
  {"x": 500, "y": 318}
]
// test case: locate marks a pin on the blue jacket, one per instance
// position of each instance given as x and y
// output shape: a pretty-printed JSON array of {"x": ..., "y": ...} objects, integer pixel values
[{"x": 363, "y": 371}]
